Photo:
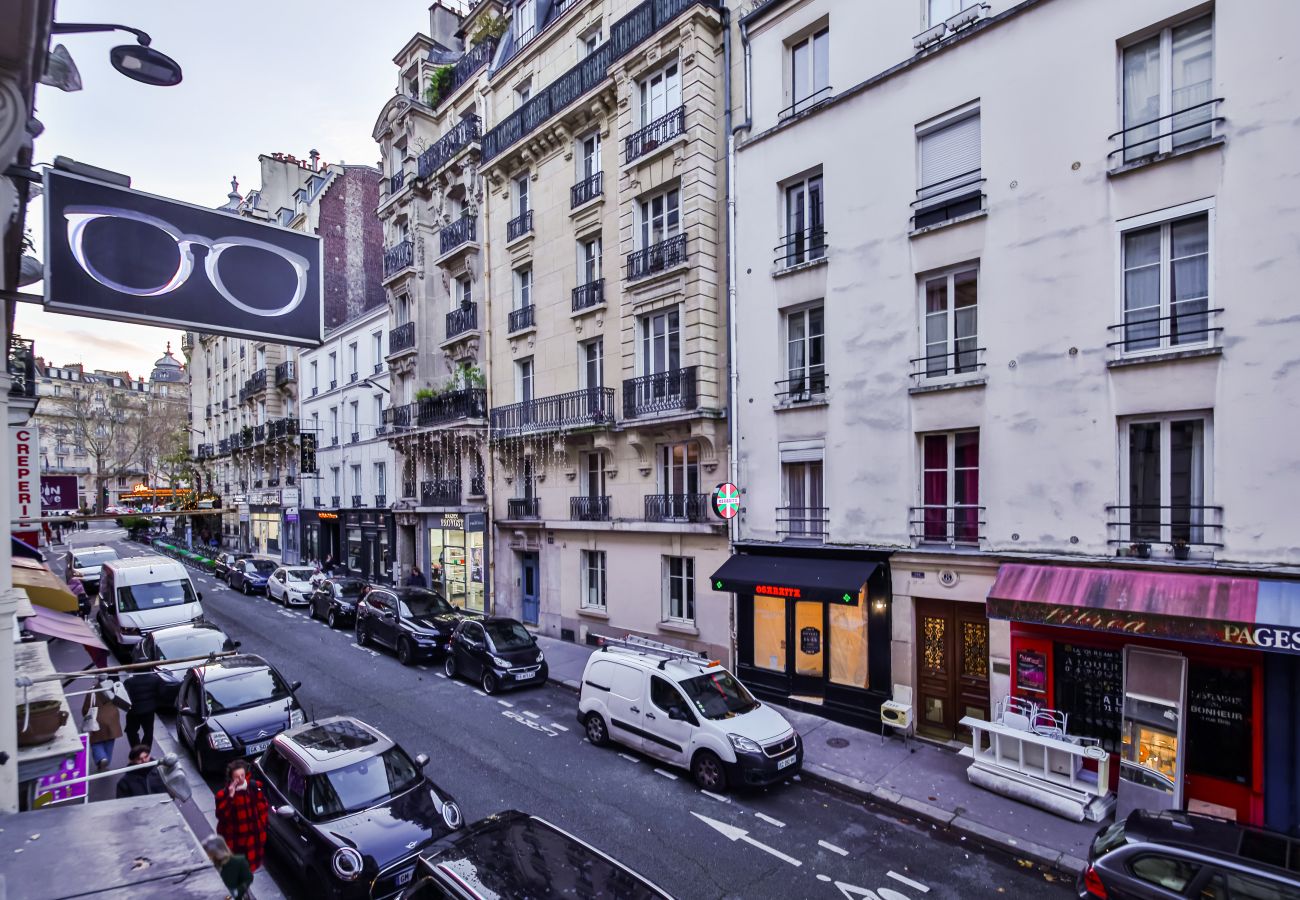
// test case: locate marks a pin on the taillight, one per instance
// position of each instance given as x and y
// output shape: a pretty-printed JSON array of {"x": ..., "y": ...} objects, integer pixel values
[{"x": 1092, "y": 883}]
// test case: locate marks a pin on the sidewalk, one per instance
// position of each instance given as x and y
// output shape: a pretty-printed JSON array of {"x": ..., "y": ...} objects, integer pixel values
[{"x": 922, "y": 779}]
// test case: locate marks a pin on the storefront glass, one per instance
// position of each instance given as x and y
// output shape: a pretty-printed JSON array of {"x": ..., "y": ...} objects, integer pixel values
[
  {"x": 769, "y": 632},
  {"x": 808, "y": 632},
  {"x": 311, "y": 542},
  {"x": 848, "y": 645},
  {"x": 265, "y": 532},
  {"x": 354, "y": 549},
  {"x": 457, "y": 561}
]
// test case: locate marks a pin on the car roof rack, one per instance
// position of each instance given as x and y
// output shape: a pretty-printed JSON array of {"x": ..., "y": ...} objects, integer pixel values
[{"x": 666, "y": 652}]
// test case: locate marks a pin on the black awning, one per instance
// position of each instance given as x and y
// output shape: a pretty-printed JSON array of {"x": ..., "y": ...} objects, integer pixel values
[{"x": 797, "y": 577}]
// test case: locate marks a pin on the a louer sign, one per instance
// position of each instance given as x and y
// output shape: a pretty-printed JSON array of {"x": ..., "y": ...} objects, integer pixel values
[{"x": 117, "y": 253}]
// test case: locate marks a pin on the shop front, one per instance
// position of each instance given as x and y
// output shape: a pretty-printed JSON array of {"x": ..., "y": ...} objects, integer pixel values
[
  {"x": 457, "y": 554},
  {"x": 264, "y": 524},
  {"x": 321, "y": 536},
  {"x": 812, "y": 629},
  {"x": 1190, "y": 681},
  {"x": 368, "y": 544}
]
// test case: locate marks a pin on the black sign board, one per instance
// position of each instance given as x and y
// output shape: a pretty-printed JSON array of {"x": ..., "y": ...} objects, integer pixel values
[
  {"x": 1088, "y": 683},
  {"x": 116, "y": 253},
  {"x": 810, "y": 641},
  {"x": 1219, "y": 713},
  {"x": 476, "y": 521}
]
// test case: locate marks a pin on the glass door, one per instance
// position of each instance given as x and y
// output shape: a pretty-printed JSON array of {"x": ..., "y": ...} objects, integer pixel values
[
  {"x": 808, "y": 648},
  {"x": 1152, "y": 731}
]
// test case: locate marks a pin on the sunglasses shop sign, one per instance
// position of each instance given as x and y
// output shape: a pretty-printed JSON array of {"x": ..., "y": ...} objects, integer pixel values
[{"x": 116, "y": 253}]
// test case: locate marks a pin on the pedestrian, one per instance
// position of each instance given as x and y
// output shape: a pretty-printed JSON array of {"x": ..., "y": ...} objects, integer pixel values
[
  {"x": 328, "y": 566},
  {"x": 241, "y": 813},
  {"x": 102, "y": 721},
  {"x": 78, "y": 589},
  {"x": 140, "y": 782},
  {"x": 143, "y": 688},
  {"x": 416, "y": 578},
  {"x": 234, "y": 869}
]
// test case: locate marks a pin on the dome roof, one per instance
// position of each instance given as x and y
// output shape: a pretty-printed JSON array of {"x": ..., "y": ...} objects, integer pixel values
[{"x": 168, "y": 368}]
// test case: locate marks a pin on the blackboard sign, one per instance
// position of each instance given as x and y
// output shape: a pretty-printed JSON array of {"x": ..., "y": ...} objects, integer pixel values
[
  {"x": 810, "y": 641},
  {"x": 1089, "y": 686},
  {"x": 1031, "y": 671},
  {"x": 1219, "y": 726}
]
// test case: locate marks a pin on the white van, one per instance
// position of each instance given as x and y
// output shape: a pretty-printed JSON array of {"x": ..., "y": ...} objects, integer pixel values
[
  {"x": 686, "y": 710},
  {"x": 142, "y": 594}
]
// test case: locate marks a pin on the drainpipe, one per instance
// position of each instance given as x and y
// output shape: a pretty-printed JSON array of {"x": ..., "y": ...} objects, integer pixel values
[
  {"x": 489, "y": 462},
  {"x": 733, "y": 375}
]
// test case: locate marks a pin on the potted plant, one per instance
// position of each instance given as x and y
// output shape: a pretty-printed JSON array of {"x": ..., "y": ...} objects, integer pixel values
[
  {"x": 1140, "y": 549},
  {"x": 424, "y": 393},
  {"x": 43, "y": 719},
  {"x": 1181, "y": 548},
  {"x": 439, "y": 84}
]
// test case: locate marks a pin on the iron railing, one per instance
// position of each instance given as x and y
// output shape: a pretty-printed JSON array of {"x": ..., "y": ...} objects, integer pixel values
[
  {"x": 398, "y": 417},
  {"x": 408, "y": 489},
  {"x": 585, "y": 296},
  {"x": 223, "y": 446},
  {"x": 356, "y": 501},
  {"x": 587, "y": 189},
  {"x": 356, "y": 436},
  {"x": 395, "y": 183},
  {"x": 521, "y": 318},
  {"x": 523, "y": 508},
  {"x": 462, "y": 319},
  {"x": 676, "y": 507},
  {"x": 440, "y": 492},
  {"x": 660, "y": 131},
  {"x": 259, "y": 434},
  {"x": 800, "y": 247},
  {"x": 315, "y": 501},
  {"x": 334, "y": 501},
  {"x": 381, "y": 501},
  {"x": 1181, "y": 329},
  {"x": 477, "y": 486},
  {"x": 1178, "y": 525},
  {"x": 204, "y": 451},
  {"x": 816, "y": 98},
  {"x": 589, "y": 509},
  {"x": 401, "y": 338},
  {"x": 960, "y": 523},
  {"x": 802, "y": 521},
  {"x": 804, "y": 386},
  {"x": 398, "y": 257},
  {"x": 282, "y": 428},
  {"x": 22, "y": 367},
  {"x": 586, "y": 408},
  {"x": 465, "y": 403},
  {"x": 656, "y": 257},
  {"x": 1198, "y": 116},
  {"x": 207, "y": 413},
  {"x": 475, "y": 58},
  {"x": 467, "y": 131},
  {"x": 965, "y": 361},
  {"x": 520, "y": 225},
  {"x": 948, "y": 198},
  {"x": 462, "y": 231},
  {"x": 273, "y": 482},
  {"x": 286, "y": 373},
  {"x": 660, "y": 392}
]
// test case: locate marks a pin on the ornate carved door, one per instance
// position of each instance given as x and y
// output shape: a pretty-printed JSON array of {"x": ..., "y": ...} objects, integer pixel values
[{"x": 952, "y": 661}]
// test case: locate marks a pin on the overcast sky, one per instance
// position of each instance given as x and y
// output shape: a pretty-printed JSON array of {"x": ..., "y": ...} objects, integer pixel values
[{"x": 260, "y": 77}]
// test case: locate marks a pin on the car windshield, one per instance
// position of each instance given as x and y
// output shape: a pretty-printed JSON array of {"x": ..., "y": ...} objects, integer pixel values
[
  {"x": 349, "y": 588},
  {"x": 191, "y": 642},
  {"x": 245, "y": 689},
  {"x": 93, "y": 558},
  {"x": 506, "y": 636},
  {"x": 362, "y": 784},
  {"x": 718, "y": 695},
  {"x": 420, "y": 604},
  {"x": 263, "y": 566},
  {"x": 300, "y": 576},
  {"x": 155, "y": 595}
]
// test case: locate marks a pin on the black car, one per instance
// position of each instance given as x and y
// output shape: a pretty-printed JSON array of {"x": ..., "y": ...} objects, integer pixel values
[
  {"x": 335, "y": 600},
  {"x": 233, "y": 708},
  {"x": 513, "y": 854},
  {"x": 224, "y": 562},
  {"x": 1177, "y": 854},
  {"x": 251, "y": 575},
  {"x": 416, "y": 622},
  {"x": 350, "y": 810},
  {"x": 497, "y": 653},
  {"x": 180, "y": 642}
]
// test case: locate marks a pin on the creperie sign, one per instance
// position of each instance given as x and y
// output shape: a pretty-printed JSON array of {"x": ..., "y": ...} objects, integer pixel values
[{"x": 25, "y": 442}]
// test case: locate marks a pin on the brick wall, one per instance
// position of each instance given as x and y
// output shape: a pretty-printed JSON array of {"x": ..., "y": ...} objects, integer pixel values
[{"x": 353, "y": 245}]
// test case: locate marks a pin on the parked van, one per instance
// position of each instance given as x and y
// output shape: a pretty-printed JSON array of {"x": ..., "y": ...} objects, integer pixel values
[
  {"x": 143, "y": 594},
  {"x": 686, "y": 710}
]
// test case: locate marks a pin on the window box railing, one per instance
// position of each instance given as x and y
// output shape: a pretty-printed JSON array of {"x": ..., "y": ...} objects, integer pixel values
[
  {"x": 474, "y": 59},
  {"x": 257, "y": 483},
  {"x": 589, "y": 509},
  {"x": 966, "y": 361},
  {"x": 800, "y": 247},
  {"x": 315, "y": 501},
  {"x": 660, "y": 131},
  {"x": 408, "y": 490},
  {"x": 519, "y": 226},
  {"x": 207, "y": 413},
  {"x": 259, "y": 434},
  {"x": 333, "y": 383},
  {"x": 585, "y": 296},
  {"x": 804, "y": 104},
  {"x": 462, "y": 231},
  {"x": 1166, "y": 133},
  {"x": 356, "y": 436},
  {"x": 962, "y": 523},
  {"x": 440, "y": 492},
  {"x": 586, "y": 408},
  {"x": 943, "y": 200},
  {"x": 204, "y": 451},
  {"x": 802, "y": 521},
  {"x": 401, "y": 338},
  {"x": 1190, "y": 328},
  {"x": 462, "y": 319},
  {"x": 465, "y": 403},
  {"x": 398, "y": 257},
  {"x": 521, "y": 318},
  {"x": 465, "y": 133},
  {"x": 272, "y": 482},
  {"x": 225, "y": 405},
  {"x": 395, "y": 183},
  {"x": 523, "y": 508},
  {"x": 659, "y": 393},
  {"x": 22, "y": 367},
  {"x": 808, "y": 386},
  {"x": 1177, "y": 525},
  {"x": 381, "y": 501},
  {"x": 286, "y": 373},
  {"x": 356, "y": 500},
  {"x": 477, "y": 486},
  {"x": 334, "y": 501},
  {"x": 352, "y": 377},
  {"x": 586, "y": 190},
  {"x": 656, "y": 257},
  {"x": 334, "y": 440},
  {"x": 398, "y": 417},
  {"x": 676, "y": 507}
]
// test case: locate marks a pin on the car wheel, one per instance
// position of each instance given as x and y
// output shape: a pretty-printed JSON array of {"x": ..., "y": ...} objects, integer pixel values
[
  {"x": 311, "y": 610},
  {"x": 331, "y": 619},
  {"x": 708, "y": 773},
  {"x": 405, "y": 652},
  {"x": 244, "y": 588},
  {"x": 449, "y": 665},
  {"x": 597, "y": 733},
  {"x": 490, "y": 683},
  {"x": 362, "y": 637}
]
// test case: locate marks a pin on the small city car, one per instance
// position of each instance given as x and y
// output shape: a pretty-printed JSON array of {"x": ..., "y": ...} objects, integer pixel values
[
  {"x": 335, "y": 600},
  {"x": 142, "y": 594},
  {"x": 225, "y": 561},
  {"x": 251, "y": 575},
  {"x": 513, "y": 854},
  {"x": 291, "y": 585},
  {"x": 351, "y": 812},
  {"x": 86, "y": 563},
  {"x": 416, "y": 622},
  {"x": 496, "y": 653},
  {"x": 232, "y": 708},
  {"x": 180, "y": 642},
  {"x": 685, "y": 710},
  {"x": 1170, "y": 854}
]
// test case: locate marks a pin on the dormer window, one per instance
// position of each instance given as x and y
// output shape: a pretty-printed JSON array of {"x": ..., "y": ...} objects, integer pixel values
[{"x": 525, "y": 21}]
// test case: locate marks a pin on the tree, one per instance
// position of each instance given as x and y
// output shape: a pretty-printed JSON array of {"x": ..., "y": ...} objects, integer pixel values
[
  {"x": 107, "y": 425},
  {"x": 163, "y": 453}
]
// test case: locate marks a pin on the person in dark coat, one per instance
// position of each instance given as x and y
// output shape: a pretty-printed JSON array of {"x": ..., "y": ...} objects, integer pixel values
[
  {"x": 416, "y": 578},
  {"x": 144, "y": 689},
  {"x": 140, "y": 782},
  {"x": 235, "y": 873}
]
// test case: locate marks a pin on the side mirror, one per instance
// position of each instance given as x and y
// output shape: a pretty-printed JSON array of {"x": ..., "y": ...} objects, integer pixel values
[
  {"x": 235, "y": 645},
  {"x": 295, "y": 686},
  {"x": 198, "y": 594},
  {"x": 422, "y": 759},
  {"x": 677, "y": 714},
  {"x": 286, "y": 811}
]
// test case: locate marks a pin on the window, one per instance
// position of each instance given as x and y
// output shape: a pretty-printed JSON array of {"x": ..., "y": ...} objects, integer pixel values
[
  {"x": 593, "y": 474},
  {"x": 463, "y": 295},
  {"x": 261, "y": 357},
  {"x": 356, "y": 416},
  {"x": 810, "y": 71},
  {"x": 524, "y": 380},
  {"x": 805, "y": 504},
  {"x": 334, "y": 423},
  {"x": 660, "y": 343},
  {"x": 950, "y": 487},
  {"x": 593, "y": 579},
  {"x": 353, "y": 359},
  {"x": 591, "y": 359},
  {"x": 1165, "y": 478},
  {"x": 661, "y": 93},
  {"x": 379, "y": 409},
  {"x": 589, "y": 155},
  {"x": 403, "y": 311},
  {"x": 805, "y": 331},
  {"x": 381, "y": 478},
  {"x": 1166, "y": 284},
  {"x": 679, "y": 589},
  {"x": 679, "y": 472},
  {"x": 334, "y": 369},
  {"x": 660, "y": 218},
  {"x": 589, "y": 258},
  {"x": 1167, "y": 872},
  {"x": 315, "y": 423},
  {"x": 334, "y": 474},
  {"x": 261, "y": 412},
  {"x": 805, "y": 231},
  {"x": 1167, "y": 83},
  {"x": 377, "y": 342},
  {"x": 522, "y": 93},
  {"x": 950, "y": 169},
  {"x": 942, "y": 10},
  {"x": 587, "y": 43},
  {"x": 949, "y": 339},
  {"x": 356, "y": 479},
  {"x": 521, "y": 195},
  {"x": 523, "y": 287},
  {"x": 525, "y": 21}
]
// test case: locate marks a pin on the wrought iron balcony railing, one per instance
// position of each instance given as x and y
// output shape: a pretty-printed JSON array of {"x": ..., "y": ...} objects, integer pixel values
[
  {"x": 474, "y": 59},
  {"x": 523, "y": 508},
  {"x": 676, "y": 507},
  {"x": 463, "y": 231},
  {"x": 660, "y": 131},
  {"x": 800, "y": 247},
  {"x": 816, "y": 98},
  {"x": 259, "y": 434},
  {"x": 1191, "y": 326},
  {"x": 656, "y": 257},
  {"x": 315, "y": 501},
  {"x": 662, "y": 392},
  {"x": 585, "y": 296},
  {"x": 967, "y": 360},
  {"x": 589, "y": 509},
  {"x": 356, "y": 436},
  {"x": 440, "y": 492},
  {"x": 286, "y": 373},
  {"x": 356, "y": 501},
  {"x": 396, "y": 182},
  {"x": 586, "y": 190},
  {"x": 948, "y": 198},
  {"x": 465, "y": 133},
  {"x": 521, "y": 318},
  {"x": 285, "y": 427},
  {"x": 1177, "y": 525},
  {"x": 587, "y": 408},
  {"x": 466, "y": 403},
  {"x": 462, "y": 319},
  {"x": 802, "y": 521},
  {"x": 477, "y": 486},
  {"x": 401, "y": 338},
  {"x": 961, "y": 523},
  {"x": 334, "y": 501},
  {"x": 520, "y": 225},
  {"x": 1168, "y": 132},
  {"x": 408, "y": 490},
  {"x": 808, "y": 385},
  {"x": 381, "y": 501},
  {"x": 399, "y": 417},
  {"x": 207, "y": 413},
  {"x": 204, "y": 451},
  {"x": 398, "y": 257}
]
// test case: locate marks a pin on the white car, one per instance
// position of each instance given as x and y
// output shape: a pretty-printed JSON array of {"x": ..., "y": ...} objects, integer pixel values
[
  {"x": 291, "y": 585},
  {"x": 685, "y": 710}
]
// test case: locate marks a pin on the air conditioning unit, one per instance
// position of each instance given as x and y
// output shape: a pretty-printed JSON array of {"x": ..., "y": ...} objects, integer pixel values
[{"x": 930, "y": 36}]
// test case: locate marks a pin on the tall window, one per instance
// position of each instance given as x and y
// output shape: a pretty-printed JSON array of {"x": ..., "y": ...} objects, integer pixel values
[
  {"x": 525, "y": 21},
  {"x": 942, "y": 10},
  {"x": 589, "y": 155},
  {"x": 403, "y": 310},
  {"x": 593, "y": 474},
  {"x": 377, "y": 343},
  {"x": 353, "y": 359},
  {"x": 679, "y": 588},
  {"x": 334, "y": 369},
  {"x": 679, "y": 474},
  {"x": 593, "y": 579},
  {"x": 805, "y": 356},
  {"x": 524, "y": 379},
  {"x": 805, "y": 503},
  {"x": 591, "y": 361},
  {"x": 660, "y": 217},
  {"x": 463, "y": 295},
  {"x": 588, "y": 42},
  {"x": 521, "y": 195},
  {"x": 589, "y": 260},
  {"x": 805, "y": 231},
  {"x": 334, "y": 424},
  {"x": 356, "y": 416},
  {"x": 315, "y": 424},
  {"x": 951, "y": 176},
  {"x": 950, "y": 487},
  {"x": 261, "y": 357},
  {"x": 1168, "y": 83},
  {"x": 660, "y": 342},
  {"x": 661, "y": 93},
  {"x": 523, "y": 287},
  {"x": 337, "y": 482},
  {"x": 810, "y": 70},
  {"x": 523, "y": 93},
  {"x": 1167, "y": 284},
  {"x": 381, "y": 479},
  {"x": 356, "y": 479},
  {"x": 950, "y": 339},
  {"x": 379, "y": 409},
  {"x": 1166, "y": 478}
]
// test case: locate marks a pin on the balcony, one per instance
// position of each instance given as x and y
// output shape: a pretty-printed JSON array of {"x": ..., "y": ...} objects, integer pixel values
[
  {"x": 225, "y": 405},
  {"x": 223, "y": 446},
  {"x": 587, "y": 408},
  {"x": 207, "y": 413},
  {"x": 807, "y": 522},
  {"x": 802, "y": 105},
  {"x": 315, "y": 501},
  {"x": 474, "y": 59},
  {"x": 477, "y": 486},
  {"x": 463, "y": 231},
  {"x": 1188, "y": 127},
  {"x": 660, "y": 393},
  {"x": 660, "y": 131},
  {"x": 586, "y": 190},
  {"x": 334, "y": 440},
  {"x": 259, "y": 434},
  {"x": 1179, "y": 527},
  {"x": 802, "y": 388},
  {"x": 398, "y": 257},
  {"x": 589, "y": 509},
  {"x": 279, "y": 429},
  {"x": 273, "y": 482},
  {"x": 356, "y": 437},
  {"x": 968, "y": 360},
  {"x": 333, "y": 383},
  {"x": 286, "y": 373},
  {"x": 440, "y": 492},
  {"x": 466, "y": 403},
  {"x": 522, "y": 508},
  {"x": 589, "y": 295},
  {"x": 408, "y": 490},
  {"x": 334, "y": 501},
  {"x": 462, "y": 320},
  {"x": 676, "y": 508},
  {"x": 352, "y": 377},
  {"x": 800, "y": 247},
  {"x": 446, "y": 147},
  {"x": 257, "y": 483},
  {"x": 356, "y": 501},
  {"x": 204, "y": 451},
  {"x": 401, "y": 339},
  {"x": 519, "y": 226},
  {"x": 951, "y": 198},
  {"x": 521, "y": 318},
  {"x": 399, "y": 417},
  {"x": 396, "y": 183},
  {"x": 381, "y": 501},
  {"x": 656, "y": 258},
  {"x": 962, "y": 523},
  {"x": 1145, "y": 333}
]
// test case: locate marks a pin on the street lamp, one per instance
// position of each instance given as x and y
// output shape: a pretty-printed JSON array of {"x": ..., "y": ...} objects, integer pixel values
[{"x": 139, "y": 62}]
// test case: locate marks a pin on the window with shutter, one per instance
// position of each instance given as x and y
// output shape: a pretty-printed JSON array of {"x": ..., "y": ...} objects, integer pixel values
[{"x": 950, "y": 171}]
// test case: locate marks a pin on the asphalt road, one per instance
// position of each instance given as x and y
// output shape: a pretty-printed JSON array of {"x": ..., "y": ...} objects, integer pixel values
[{"x": 525, "y": 750}]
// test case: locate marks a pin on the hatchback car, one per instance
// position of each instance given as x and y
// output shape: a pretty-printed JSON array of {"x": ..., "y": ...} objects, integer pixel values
[
  {"x": 251, "y": 575},
  {"x": 291, "y": 585},
  {"x": 232, "y": 708},
  {"x": 180, "y": 642},
  {"x": 415, "y": 622},
  {"x": 350, "y": 810},
  {"x": 1169, "y": 854},
  {"x": 225, "y": 562},
  {"x": 497, "y": 653},
  {"x": 335, "y": 600},
  {"x": 86, "y": 563}
]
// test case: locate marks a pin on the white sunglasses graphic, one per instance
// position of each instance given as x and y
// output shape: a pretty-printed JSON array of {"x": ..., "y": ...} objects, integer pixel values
[{"x": 78, "y": 217}]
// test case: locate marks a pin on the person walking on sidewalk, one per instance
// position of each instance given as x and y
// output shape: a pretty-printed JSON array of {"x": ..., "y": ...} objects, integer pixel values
[
  {"x": 140, "y": 782},
  {"x": 241, "y": 813},
  {"x": 144, "y": 689},
  {"x": 234, "y": 869},
  {"x": 105, "y": 727},
  {"x": 416, "y": 578}
]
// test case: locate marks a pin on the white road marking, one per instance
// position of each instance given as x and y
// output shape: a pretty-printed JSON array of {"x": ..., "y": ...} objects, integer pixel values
[
  {"x": 531, "y": 715},
  {"x": 507, "y": 704},
  {"x": 480, "y": 693},
  {"x": 529, "y": 722},
  {"x": 916, "y": 885},
  {"x": 769, "y": 820},
  {"x": 669, "y": 775},
  {"x": 831, "y": 847},
  {"x": 821, "y": 877},
  {"x": 718, "y": 797},
  {"x": 424, "y": 668},
  {"x": 559, "y": 726},
  {"x": 732, "y": 833},
  {"x": 442, "y": 674},
  {"x": 852, "y": 890},
  {"x": 631, "y": 759}
]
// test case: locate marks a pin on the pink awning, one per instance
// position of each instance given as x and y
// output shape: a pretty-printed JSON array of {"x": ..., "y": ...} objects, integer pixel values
[{"x": 62, "y": 626}]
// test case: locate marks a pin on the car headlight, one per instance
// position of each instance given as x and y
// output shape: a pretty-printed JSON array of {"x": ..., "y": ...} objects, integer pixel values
[
  {"x": 296, "y": 718},
  {"x": 540, "y": 656},
  {"x": 347, "y": 864},
  {"x": 500, "y": 663},
  {"x": 451, "y": 815},
  {"x": 744, "y": 744},
  {"x": 219, "y": 740}
]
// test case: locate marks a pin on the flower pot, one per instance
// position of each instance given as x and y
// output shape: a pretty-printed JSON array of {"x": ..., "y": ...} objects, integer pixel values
[
  {"x": 1141, "y": 551},
  {"x": 46, "y": 718},
  {"x": 1182, "y": 551}
]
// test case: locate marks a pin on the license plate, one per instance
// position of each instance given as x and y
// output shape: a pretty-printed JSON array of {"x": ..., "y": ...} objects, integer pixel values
[
  {"x": 250, "y": 749},
  {"x": 524, "y": 676},
  {"x": 405, "y": 877},
  {"x": 787, "y": 762}
]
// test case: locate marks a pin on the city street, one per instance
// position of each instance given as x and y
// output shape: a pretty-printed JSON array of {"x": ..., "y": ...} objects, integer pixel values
[{"x": 526, "y": 751}]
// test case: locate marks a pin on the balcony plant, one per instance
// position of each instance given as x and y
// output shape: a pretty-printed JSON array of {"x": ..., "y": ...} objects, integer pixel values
[
  {"x": 1140, "y": 550},
  {"x": 439, "y": 85},
  {"x": 492, "y": 28},
  {"x": 424, "y": 393},
  {"x": 1182, "y": 550}
]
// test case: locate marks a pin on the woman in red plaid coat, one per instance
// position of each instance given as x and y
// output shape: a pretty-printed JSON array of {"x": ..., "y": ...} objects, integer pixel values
[{"x": 241, "y": 814}]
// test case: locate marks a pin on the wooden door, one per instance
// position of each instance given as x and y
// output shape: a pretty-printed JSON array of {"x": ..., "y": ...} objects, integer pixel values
[{"x": 935, "y": 706}]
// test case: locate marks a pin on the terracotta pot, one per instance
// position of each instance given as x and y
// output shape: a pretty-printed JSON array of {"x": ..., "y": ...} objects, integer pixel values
[{"x": 47, "y": 717}]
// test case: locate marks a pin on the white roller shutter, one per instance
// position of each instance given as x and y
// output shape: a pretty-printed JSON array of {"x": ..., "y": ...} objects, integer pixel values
[{"x": 948, "y": 152}]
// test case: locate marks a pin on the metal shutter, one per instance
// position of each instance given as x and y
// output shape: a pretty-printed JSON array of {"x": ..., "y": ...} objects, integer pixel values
[{"x": 948, "y": 152}]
